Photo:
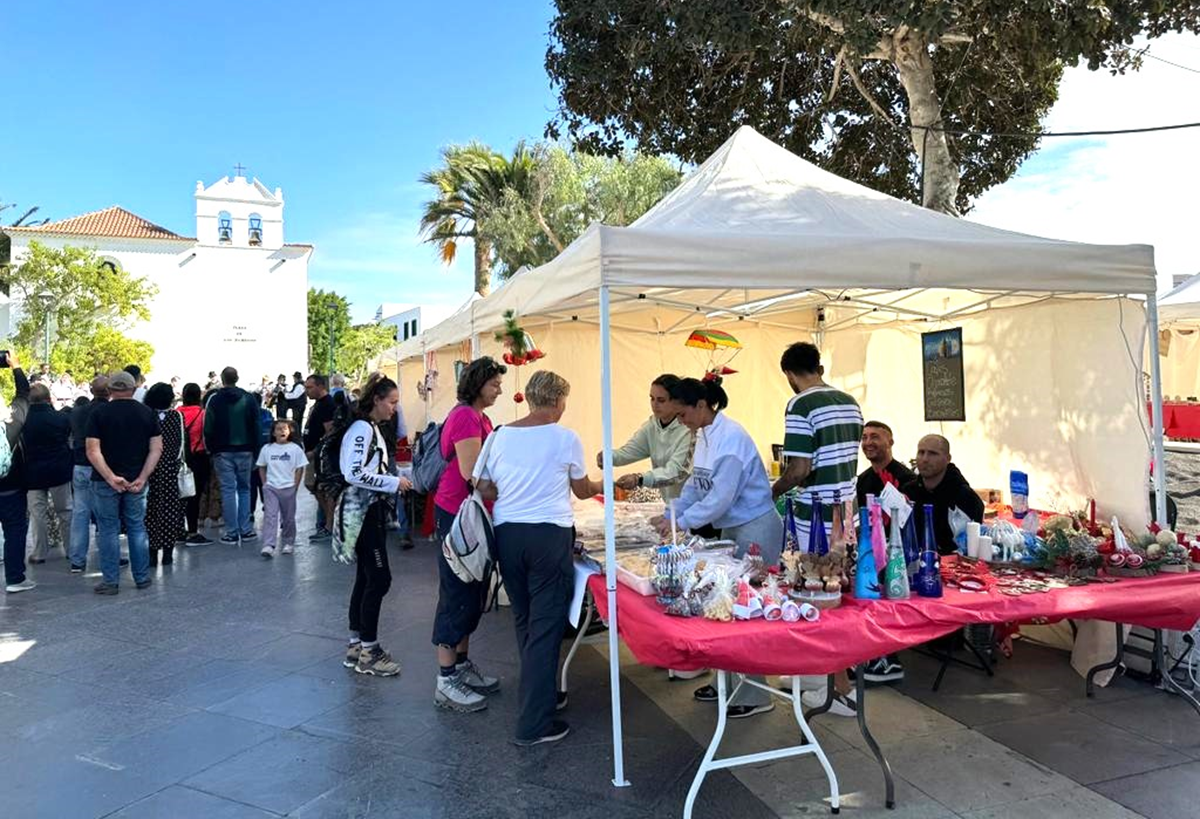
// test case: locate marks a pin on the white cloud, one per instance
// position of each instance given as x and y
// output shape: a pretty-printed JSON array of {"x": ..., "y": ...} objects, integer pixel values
[{"x": 1116, "y": 189}]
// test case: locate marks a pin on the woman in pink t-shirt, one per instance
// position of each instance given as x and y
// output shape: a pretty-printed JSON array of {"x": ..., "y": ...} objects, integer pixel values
[{"x": 461, "y": 686}]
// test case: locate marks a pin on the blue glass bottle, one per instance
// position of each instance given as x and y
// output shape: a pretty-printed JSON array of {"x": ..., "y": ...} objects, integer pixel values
[
  {"x": 866, "y": 575},
  {"x": 929, "y": 575},
  {"x": 818, "y": 540}
]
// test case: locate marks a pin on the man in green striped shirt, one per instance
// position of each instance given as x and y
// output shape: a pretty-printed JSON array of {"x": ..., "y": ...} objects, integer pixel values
[{"x": 822, "y": 431}]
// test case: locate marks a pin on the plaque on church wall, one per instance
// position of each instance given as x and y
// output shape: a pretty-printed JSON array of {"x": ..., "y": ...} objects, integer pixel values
[{"x": 944, "y": 385}]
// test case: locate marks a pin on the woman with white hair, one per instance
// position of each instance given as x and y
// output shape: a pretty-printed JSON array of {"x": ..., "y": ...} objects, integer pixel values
[{"x": 532, "y": 466}]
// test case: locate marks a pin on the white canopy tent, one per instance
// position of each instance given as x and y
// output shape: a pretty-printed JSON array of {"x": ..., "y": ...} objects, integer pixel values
[
  {"x": 1179, "y": 311},
  {"x": 758, "y": 235}
]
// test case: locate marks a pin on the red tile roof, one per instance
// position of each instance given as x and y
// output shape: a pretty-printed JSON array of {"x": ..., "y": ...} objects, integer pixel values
[{"x": 113, "y": 222}]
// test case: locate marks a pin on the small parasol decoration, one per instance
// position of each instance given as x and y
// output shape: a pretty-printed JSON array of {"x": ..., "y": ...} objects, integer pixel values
[{"x": 722, "y": 348}]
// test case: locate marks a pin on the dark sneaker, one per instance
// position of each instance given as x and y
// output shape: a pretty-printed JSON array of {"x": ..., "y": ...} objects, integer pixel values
[
  {"x": 106, "y": 588},
  {"x": 143, "y": 584},
  {"x": 251, "y": 535},
  {"x": 321, "y": 534},
  {"x": 743, "y": 711},
  {"x": 706, "y": 693},
  {"x": 558, "y": 729},
  {"x": 352, "y": 652},
  {"x": 883, "y": 670},
  {"x": 37, "y": 561},
  {"x": 198, "y": 539},
  {"x": 231, "y": 539},
  {"x": 77, "y": 569},
  {"x": 123, "y": 561},
  {"x": 376, "y": 661}
]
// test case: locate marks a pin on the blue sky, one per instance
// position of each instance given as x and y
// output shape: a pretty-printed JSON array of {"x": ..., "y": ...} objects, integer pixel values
[{"x": 342, "y": 106}]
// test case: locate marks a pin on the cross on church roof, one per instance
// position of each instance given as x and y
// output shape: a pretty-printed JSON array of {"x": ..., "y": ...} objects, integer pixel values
[{"x": 239, "y": 169}]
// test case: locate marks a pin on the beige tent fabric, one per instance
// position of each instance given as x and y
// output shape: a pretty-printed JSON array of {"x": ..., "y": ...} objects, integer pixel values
[
  {"x": 1181, "y": 363},
  {"x": 1052, "y": 389}
]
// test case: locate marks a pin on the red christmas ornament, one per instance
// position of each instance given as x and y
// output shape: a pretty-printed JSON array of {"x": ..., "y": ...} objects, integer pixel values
[
  {"x": 1107, "y": 547},
  {"x": 518, "y": 398}
]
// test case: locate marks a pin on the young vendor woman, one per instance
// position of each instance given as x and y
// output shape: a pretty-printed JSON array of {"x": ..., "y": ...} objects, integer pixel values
[
  {"x": 664, "y": 439},
  {"x": 730, "y": 491}
]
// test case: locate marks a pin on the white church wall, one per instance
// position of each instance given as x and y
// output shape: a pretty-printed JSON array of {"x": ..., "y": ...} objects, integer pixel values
[{"x": 215, "y": 306}]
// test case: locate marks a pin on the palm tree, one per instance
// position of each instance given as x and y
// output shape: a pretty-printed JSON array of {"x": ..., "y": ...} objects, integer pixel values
[{"x": 472, "y": 180}]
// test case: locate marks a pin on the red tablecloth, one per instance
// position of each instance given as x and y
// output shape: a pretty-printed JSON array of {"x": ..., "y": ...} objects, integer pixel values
[
  {"x": 858, "y": 631},
  {"x": 1180, "y": 420}
]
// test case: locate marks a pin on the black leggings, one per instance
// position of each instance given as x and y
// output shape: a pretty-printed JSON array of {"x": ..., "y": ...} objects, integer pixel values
[
  {"x": 373, "y": 575},
  {"x": 201, "y": 467}
]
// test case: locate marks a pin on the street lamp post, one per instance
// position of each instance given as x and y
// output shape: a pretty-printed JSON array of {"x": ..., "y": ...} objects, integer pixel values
[{"x": 46, "y": 298}]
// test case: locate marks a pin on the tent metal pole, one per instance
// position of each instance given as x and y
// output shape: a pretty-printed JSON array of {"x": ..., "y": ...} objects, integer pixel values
[
  {"x": 1156, "y": 414},
  {"x": 610, "y": 541}
]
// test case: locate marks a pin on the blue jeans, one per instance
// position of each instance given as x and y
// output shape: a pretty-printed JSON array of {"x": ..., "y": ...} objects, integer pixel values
[
  {"x": 113, "y": 508},
  {"x": 14, "y": 520},
  {"x": 81, "y": 514},
  {"x": 234, "y": 471},
  {"x": 402, "y": 514}
]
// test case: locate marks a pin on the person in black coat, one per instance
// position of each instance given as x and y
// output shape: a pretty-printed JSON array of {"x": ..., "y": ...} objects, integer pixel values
[
  {"x": 14, "y": 512},
  {"x": 939, "y": 483},
  {"x": 46, "y": 440}
]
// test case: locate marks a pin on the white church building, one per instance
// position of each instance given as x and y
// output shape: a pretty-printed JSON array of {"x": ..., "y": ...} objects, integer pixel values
[{"x": 234, "y": 295}]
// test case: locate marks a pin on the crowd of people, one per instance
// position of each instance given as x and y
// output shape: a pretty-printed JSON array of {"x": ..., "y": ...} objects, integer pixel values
[{"x": 154, "y": 463}]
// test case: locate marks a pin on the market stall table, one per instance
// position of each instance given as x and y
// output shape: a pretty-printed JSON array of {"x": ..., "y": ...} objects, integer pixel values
[
  {"x": 1181, "y": 420},
  {"x": 859, "y": 631}
]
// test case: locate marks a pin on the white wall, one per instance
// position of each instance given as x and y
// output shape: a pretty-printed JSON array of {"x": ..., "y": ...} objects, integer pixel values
[{"x": 216, "y": 306}]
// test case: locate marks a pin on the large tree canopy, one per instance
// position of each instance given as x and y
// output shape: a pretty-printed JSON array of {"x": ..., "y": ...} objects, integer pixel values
[{"x": 838, "y": 81}]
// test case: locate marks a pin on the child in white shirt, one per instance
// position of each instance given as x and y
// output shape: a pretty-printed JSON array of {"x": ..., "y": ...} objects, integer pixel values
[{"x": 281, "y": 469}]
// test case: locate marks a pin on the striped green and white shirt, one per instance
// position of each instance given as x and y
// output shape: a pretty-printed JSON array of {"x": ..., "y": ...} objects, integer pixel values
[{"x": 824, "y": 425}]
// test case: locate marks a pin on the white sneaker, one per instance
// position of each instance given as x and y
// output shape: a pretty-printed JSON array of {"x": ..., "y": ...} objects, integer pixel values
[
  {"x": 844, "y": 705},
  {"x": 672, "y": 674},
  {"x": 24, "y": 585},
  {"x": 288, "y": 549},
  {"x": 268, "y": 551},
  {"x": 453, "y": 693},
  {"x": 475, "y": 679}
]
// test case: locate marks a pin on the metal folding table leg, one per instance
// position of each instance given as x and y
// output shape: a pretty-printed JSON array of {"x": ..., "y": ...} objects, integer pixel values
[
  {"x": 860, "y": 691},
  {"x": 1169, "y": 683},
  {"x": 710, "y": 763},
  {"x": 590, "y": 610},
  {"x": 1116, "y": 661}
]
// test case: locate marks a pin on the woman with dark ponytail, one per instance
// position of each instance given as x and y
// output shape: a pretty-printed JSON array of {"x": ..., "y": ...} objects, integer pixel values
[
  {"x": 729, "y": 490},
  {"x": 360, "y": 522}
]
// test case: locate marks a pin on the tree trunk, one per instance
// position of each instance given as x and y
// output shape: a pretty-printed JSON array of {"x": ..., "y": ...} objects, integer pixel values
[
  {"x": 483, "y": 266},
  {"x": 910, "y": 55}
]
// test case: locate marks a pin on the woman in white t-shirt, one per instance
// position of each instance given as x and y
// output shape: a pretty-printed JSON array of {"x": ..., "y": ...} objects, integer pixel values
[{"x": 532, "y": 467}]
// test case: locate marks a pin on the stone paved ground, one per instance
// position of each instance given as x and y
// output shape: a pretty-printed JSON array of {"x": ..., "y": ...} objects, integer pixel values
[{"x": 219, "y": 693}]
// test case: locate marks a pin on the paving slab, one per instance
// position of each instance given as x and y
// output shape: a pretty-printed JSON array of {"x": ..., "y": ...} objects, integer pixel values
[
  {"x": 177, "y": 802},
  {"x": 1168, "y": 793},
  {"x": 1078, "y": 802},
  {"x": 1081, "y": 747}
]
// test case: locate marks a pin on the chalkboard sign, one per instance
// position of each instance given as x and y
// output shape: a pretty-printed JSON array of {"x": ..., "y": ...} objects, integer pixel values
[{"x": 944, "y": 387}]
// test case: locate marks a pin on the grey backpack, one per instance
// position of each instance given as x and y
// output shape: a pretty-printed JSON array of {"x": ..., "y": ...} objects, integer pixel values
[
  {"x": 470, "y": 545},
  {"x": 428, "y": 463}
]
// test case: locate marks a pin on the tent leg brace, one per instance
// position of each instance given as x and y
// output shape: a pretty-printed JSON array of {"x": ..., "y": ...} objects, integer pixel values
[{"x": 711, "y": 763}]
